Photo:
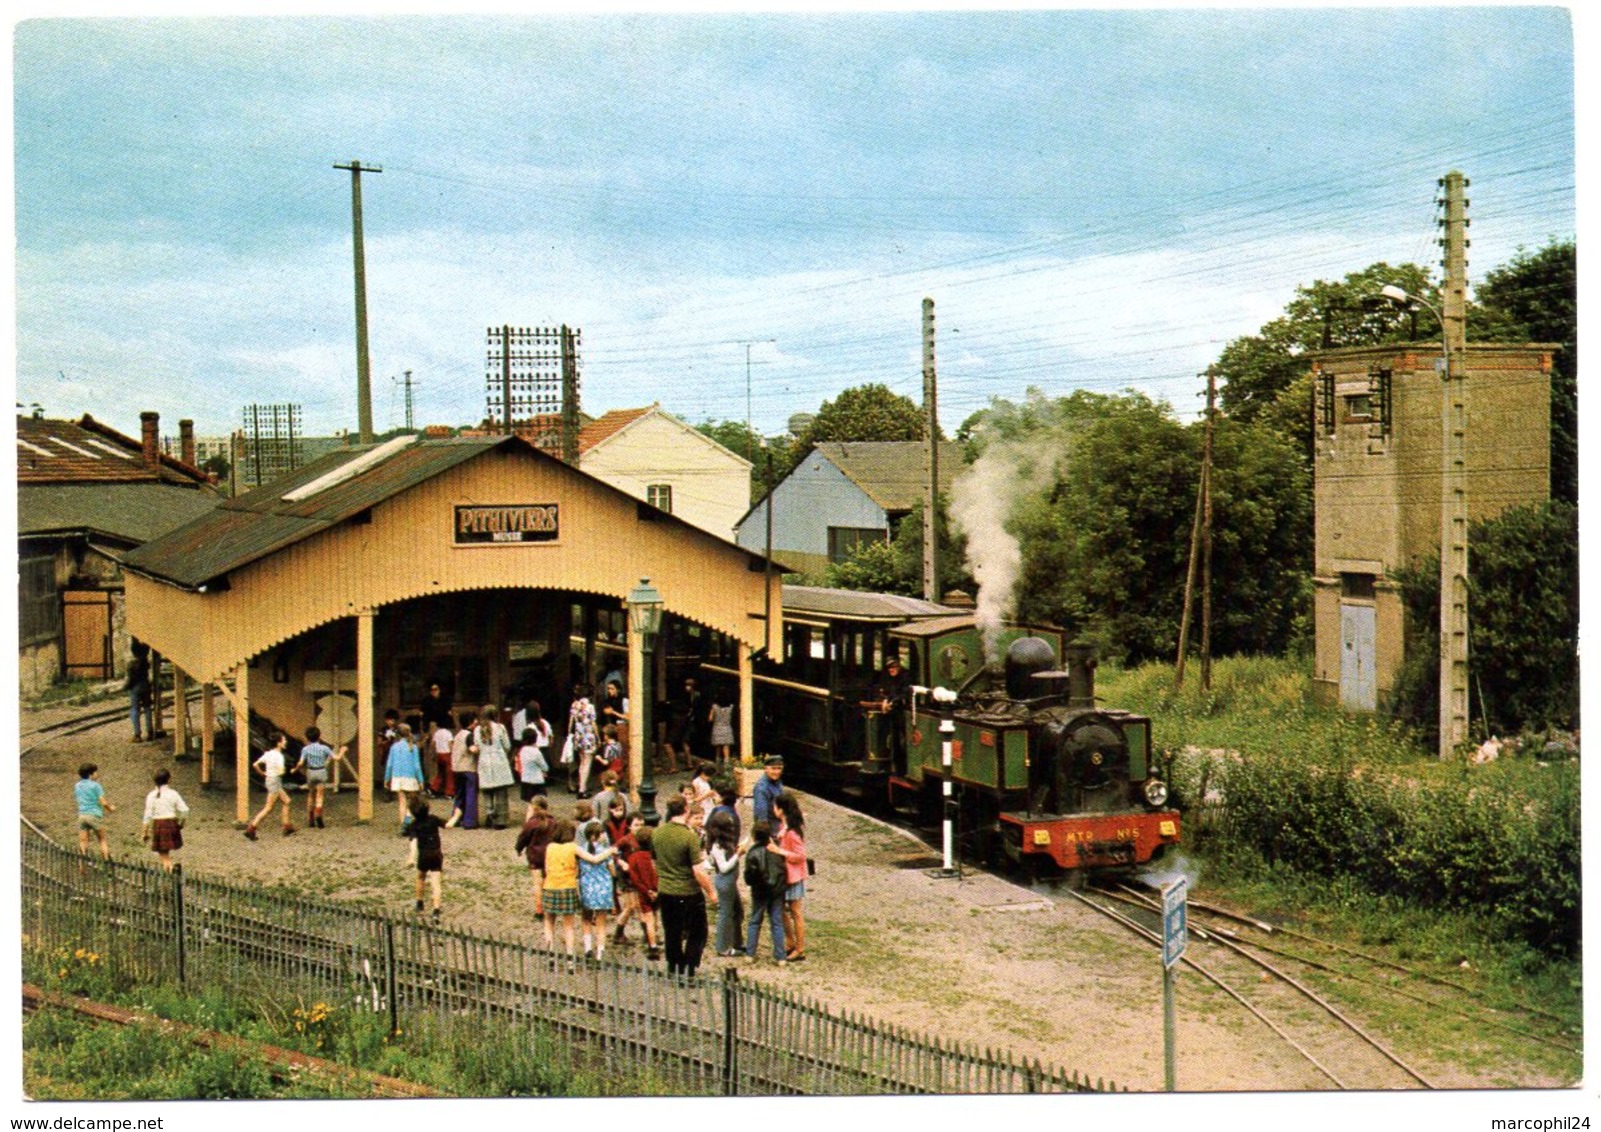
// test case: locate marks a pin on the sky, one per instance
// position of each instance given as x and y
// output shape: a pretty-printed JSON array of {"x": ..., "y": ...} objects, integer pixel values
[{"x": 742, "y": 202}]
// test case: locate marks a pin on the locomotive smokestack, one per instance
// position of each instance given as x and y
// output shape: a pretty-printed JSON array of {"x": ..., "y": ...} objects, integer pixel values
[{"x": 1080, "y": 660}]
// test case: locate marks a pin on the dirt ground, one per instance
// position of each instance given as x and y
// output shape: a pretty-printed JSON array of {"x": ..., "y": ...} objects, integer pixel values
[{"x": 981, "y": 960}]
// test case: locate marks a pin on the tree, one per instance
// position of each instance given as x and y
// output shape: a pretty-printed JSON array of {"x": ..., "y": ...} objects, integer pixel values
[
  {"x": 1105, "y": 543},
  {"x": 1257, "y": 368},
  {"x": 896, "y": 566},
  {"x": 865, "y": 412},
  {"x": 1523, "y": 623},
  {"x": 740, "y": 440},
  {"x": 1534, "y": 299}
]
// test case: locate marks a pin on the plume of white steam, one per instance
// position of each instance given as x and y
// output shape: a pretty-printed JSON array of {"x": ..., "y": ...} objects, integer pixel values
[{"x": 983, "y": 499}]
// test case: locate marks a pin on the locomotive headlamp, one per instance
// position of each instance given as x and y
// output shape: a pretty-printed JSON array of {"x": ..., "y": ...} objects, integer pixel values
[{"x": 1155, "y": 791}]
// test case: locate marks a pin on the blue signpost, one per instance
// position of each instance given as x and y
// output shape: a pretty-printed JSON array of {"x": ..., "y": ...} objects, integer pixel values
[
  {"x": 1175, "y": 935},
  {"x": 1175, "y": 925}
]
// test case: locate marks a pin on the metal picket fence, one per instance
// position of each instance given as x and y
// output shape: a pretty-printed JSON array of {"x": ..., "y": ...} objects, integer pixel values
[{"x": 616, "y": 1020}]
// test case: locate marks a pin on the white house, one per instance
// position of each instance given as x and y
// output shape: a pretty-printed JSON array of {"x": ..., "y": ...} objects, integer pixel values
[{"x": 654, "y": 456}]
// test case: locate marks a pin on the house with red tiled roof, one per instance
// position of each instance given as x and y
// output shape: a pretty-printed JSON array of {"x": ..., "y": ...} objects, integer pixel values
[
  {"x": 654, "y": 456},
  {"x": 86, "y": 494}
]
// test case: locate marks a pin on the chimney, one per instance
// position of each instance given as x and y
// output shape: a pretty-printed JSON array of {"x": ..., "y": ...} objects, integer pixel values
[
  {"x": 186, "y": 442},
  {"x": 149, "y": 424}
]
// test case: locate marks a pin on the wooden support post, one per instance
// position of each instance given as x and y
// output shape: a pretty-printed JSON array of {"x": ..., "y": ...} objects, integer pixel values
[
  {"x": 640, "y": 685},
  {"x": 747, "y": 705},
  {"x": 180, "y": 713},
  {"x": 157, "y": 716},
  {"x": 208, "y": 729},
  {"x": 366, "y": 726},
  {"x": 241, "y": 743}
]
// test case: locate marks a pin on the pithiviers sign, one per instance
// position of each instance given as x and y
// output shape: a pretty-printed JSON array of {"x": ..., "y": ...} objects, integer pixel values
[{"x": 506, "y": 523}]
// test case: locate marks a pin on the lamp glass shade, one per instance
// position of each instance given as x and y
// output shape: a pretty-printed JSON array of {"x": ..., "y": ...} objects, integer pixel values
[{"x": 644, "y": 609}]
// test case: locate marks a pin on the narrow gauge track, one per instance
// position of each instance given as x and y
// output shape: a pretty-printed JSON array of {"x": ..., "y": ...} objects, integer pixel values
[
  {"x": 1343, "y": 1053},
  {"x": 1472, "y": 1006},
  {"x": 87, "y": 721},
  {"x": 285, "y": 1064}
]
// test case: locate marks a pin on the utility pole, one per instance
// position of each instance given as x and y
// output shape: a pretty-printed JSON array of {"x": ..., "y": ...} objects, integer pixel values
[
  {"x": 1200, "y": 548},
  {"x": 1206, "y": 532},
  {"x": 750, "y": 446},
  {"x": 569, "y": 395},
  {"x": 363, "y": 366},
  {"x": 505, "y": 377},
  {"x": 1453, "y": 485},
  {"x": 931, "y": 496},
  {"x": 409, "y": 425}
]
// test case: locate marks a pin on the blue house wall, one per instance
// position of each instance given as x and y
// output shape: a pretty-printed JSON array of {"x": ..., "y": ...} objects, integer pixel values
[{"x": 810, "y": 500}]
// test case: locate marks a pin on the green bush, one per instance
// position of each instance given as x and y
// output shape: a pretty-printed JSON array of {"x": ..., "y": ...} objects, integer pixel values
[
  {"x": 1356, "y": 797},
  {"x": 1503, "y": 840}
]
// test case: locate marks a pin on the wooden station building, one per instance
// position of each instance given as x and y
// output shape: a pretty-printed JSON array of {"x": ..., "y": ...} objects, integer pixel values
[{"x": 483, "y": 565}]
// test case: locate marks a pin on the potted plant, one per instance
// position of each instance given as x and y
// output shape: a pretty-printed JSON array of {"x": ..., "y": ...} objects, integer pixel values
[{"x": 743, "y": 774}]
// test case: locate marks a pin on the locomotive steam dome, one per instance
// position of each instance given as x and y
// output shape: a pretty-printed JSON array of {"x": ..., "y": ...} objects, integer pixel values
[{"x": 1025, "y": 657}]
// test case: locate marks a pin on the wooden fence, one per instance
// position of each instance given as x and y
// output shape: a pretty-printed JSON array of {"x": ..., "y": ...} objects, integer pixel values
[{"x": 704, "y": 1036}]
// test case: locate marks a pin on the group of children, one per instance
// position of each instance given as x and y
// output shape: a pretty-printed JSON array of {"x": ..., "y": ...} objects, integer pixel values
[
  {"x": 165, "y": 813},
  {"x": 598, "y": 865},
  {"x": 586, "y": 869}
]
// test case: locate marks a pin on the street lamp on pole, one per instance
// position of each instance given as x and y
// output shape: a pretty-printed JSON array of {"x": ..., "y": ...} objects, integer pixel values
[
  {"x": 645, "y": 621},
  {"x": 1453, "y": 526}
]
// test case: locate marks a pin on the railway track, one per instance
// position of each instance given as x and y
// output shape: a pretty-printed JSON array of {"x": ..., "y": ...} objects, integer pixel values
[
  {"x": 33, "y": 738},
  {"x": 1233, "y": 953},
  {"x": 1343, "y": 1054}
]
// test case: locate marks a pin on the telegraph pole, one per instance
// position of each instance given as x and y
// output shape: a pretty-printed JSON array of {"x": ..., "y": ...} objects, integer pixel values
[
  {"x": 569, "y": 394},
  {"x": 750, "y": 444},
  {"x": 363, "y": 366},
  {"x": 408, "y": 402},
  {"x": 1206, "y": 532},
  {"x": 505, "y": 377},
  {"x": 1453, "y": 486},
  {"x": 931, "y": 497},
  {"x": 1200, "y": 548}
]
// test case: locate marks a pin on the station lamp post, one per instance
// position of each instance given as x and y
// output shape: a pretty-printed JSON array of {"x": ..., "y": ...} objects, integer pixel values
[{"x": 645, "y": 621}]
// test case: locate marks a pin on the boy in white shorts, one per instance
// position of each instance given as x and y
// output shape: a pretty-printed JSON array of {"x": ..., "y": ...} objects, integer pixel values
[{"x": 271, "y": 767}]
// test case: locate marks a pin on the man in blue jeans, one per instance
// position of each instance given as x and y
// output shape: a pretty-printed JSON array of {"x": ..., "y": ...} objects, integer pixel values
[{"x": 138, "y": 686}]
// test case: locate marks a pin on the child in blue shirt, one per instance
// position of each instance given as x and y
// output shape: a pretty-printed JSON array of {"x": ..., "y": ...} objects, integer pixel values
[
  {"x": 92, "y": 807},
  {"x": 315, "y": 757}
]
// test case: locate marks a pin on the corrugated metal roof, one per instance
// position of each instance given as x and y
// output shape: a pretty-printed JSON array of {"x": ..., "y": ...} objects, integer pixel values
[
  {"x": 86, "y": 451},
  {"x": 256, "y": 524},
  {"x": 934, "y": 626},
  {"x": 857, "y": 606},
  {"x": 242, "y": 530},
  {"x": 893, "y": 473},
  {"x": 127, "y": 512}
]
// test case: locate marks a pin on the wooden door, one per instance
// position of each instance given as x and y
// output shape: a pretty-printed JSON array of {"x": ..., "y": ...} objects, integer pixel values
[{"x": 86, "y": 627}]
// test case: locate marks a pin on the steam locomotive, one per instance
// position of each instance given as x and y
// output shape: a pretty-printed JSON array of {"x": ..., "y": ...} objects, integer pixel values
[{"x": 1039, "y": 773}]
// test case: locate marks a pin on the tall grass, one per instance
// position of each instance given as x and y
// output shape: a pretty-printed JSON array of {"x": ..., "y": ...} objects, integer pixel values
[
  {"x": 68, "y": 1058},
  {"x": 1356, "y": 797}
]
